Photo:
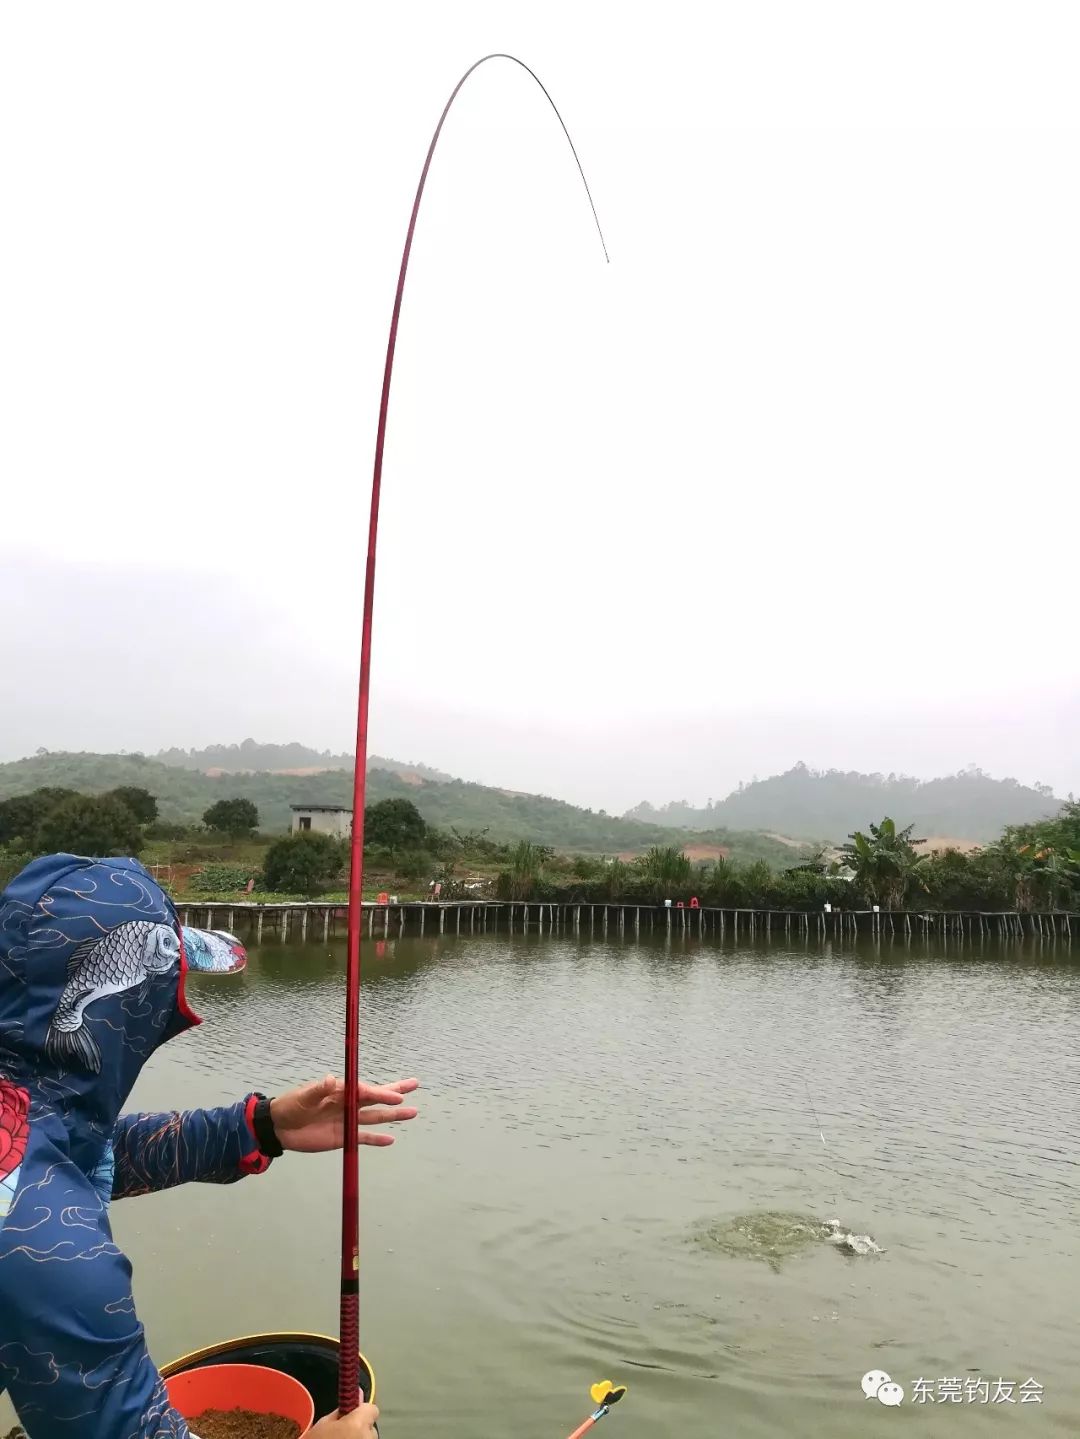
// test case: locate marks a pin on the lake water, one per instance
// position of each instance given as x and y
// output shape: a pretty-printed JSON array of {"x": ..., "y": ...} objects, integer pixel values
[{"x": 588, "y": 1110}]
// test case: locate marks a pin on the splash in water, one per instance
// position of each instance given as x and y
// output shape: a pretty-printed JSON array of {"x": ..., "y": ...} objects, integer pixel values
[
  {"x": 771, "y": 1236},
  {"x": 848, "y": 1242}
]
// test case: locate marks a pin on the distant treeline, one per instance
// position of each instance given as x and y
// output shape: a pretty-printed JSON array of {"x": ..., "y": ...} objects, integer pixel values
[
  {"x": 1035, "y": 866},
  {"x": 183, "y": 796},
  {"x": 1029, "y": 867},
  {"x": 828, "y": 804},
  {"x": 251, "y": 755}
]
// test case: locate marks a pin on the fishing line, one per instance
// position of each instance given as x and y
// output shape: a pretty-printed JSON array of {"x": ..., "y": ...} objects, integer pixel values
[
  {"x": 349, "y": 1364},
  {"x": 813, "y": 1107},
  {"x": 821, "y": 1135},
  {"x": 838, "y": 1174}
]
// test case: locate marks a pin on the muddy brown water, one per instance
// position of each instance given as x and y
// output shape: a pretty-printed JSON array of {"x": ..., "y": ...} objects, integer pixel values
[{"x": 592, "y": 1113}]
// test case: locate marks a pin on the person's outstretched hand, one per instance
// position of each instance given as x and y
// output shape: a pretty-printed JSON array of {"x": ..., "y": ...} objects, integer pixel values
[
  {"x": 360, "y": 1424},
  {"x": 311, "y": 1119}
]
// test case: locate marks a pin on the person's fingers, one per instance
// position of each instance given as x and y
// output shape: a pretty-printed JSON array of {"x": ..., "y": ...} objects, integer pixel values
[
  {"x": 359, "y": 1414},
  {"x": 372, "y": 1114},
  {"x": 328, "y": 1094},
  {"x": 370, "y": 1094},
  {"x": 384, "y": 1093},
  {"x": 362, "y": 1418},
  {"x": 379, "y": 1140}
]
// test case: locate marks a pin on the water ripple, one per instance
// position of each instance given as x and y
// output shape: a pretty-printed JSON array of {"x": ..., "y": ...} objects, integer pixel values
[{"x": 587, "y": 1106}]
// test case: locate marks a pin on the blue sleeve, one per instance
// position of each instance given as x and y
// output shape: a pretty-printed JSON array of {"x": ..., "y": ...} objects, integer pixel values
[
  {"x": 208, "y": 1146},
  {"x": 73, "y": 1356}
]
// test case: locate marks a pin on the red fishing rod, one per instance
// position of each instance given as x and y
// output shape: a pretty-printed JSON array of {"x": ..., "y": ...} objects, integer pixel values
[{"x": 349, "y": 1371}]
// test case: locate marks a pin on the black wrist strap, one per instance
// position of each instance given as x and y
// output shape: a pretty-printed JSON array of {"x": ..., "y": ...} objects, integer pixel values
[{"x": 263, "y": 1125}]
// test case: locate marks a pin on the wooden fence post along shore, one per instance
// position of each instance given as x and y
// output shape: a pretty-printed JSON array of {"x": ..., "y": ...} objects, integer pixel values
[{"x": 274, "y": 922}]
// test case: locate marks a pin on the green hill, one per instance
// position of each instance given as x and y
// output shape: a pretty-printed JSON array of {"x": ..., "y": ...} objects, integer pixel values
[
  {"x": 251, "y": 756},
  {"x": 183, "y": 794},
  {"x": 830, "y": 804}
]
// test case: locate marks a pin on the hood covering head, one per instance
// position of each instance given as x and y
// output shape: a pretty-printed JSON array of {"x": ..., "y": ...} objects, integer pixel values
[{"x": 92, "y": 968}]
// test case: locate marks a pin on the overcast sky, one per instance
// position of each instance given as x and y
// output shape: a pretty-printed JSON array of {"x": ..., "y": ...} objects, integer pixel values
[{"x": 795, "y": 477}]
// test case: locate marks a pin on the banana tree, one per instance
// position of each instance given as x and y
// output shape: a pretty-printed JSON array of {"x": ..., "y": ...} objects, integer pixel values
[
  {"x": 1051, "y": 872},
  {"x": 885, "y": 862}
]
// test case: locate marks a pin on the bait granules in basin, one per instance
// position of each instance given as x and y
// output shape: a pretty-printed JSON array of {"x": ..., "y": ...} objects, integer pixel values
[
  {"x": 243, "y": 1424},
  {"x": 230, "y": 1424}
]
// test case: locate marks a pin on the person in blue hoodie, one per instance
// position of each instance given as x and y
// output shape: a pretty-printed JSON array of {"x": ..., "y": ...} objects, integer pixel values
[{"x": 93, "y": 961}]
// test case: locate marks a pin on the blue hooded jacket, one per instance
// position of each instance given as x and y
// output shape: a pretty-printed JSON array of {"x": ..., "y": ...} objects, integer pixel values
[{"x": 92, "y": 967}]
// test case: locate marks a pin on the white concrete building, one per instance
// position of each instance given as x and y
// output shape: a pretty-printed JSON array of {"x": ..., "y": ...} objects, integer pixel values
[{"x": 332, "y": 819}]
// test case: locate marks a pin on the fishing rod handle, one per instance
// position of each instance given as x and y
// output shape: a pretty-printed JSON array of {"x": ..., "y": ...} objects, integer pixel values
[{"x": 349, "y": 1353}]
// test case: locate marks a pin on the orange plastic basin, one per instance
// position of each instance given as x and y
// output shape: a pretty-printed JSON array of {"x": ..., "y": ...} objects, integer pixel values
[{"x": 240, "y": 1386}]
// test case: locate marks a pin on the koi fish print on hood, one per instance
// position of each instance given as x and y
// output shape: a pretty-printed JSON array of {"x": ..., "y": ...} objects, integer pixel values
[{"x": 93, "y": 965}]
